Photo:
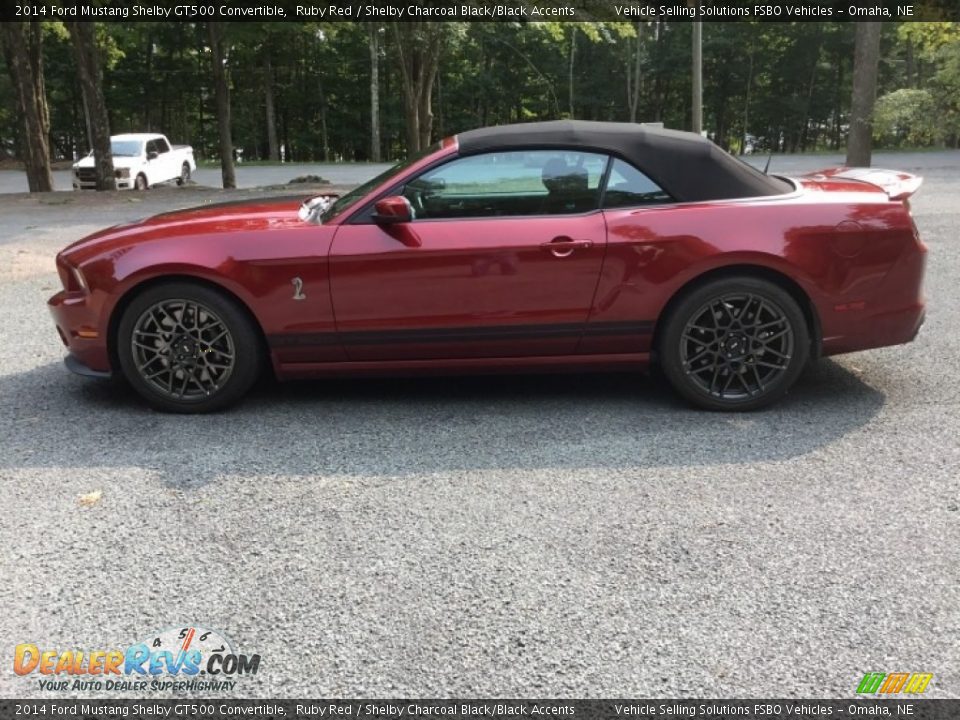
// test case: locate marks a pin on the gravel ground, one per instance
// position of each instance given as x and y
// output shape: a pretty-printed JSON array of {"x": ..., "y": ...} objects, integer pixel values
[{"x": 536, "y": 536}]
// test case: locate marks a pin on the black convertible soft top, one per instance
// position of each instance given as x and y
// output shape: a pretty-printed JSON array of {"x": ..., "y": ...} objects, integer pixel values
[{"x": 687, "y": 166}]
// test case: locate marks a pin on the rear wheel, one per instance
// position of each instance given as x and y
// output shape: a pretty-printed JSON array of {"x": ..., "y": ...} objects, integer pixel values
[
  {"x": 188, "y": 348},
  {"x": 184, "y": 174},
  {"x": 736, "y": 343}
]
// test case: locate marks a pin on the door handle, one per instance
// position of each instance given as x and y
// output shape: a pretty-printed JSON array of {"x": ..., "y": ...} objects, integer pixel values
[{"x": 563, "y": 246}]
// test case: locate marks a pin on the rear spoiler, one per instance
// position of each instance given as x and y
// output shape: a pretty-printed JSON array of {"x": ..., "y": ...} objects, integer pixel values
[{"x": 896, "y": 184}]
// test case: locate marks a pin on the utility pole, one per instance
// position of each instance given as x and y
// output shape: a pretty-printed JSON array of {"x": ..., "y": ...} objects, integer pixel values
[{"x": 697, "y": 120}]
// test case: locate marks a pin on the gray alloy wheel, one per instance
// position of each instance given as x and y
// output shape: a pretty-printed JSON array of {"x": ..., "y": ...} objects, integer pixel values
[
  {"x": 184, "y": 174},
  {"x": 187, "y": 348},
  {"x": 736, "y": 343},
  {"x": 141, "y": 182}
]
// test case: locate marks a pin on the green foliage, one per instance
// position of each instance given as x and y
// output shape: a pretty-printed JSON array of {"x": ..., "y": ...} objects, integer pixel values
[
  {"x": 782, "y": 86},
  {"x": 929, "y": 36},
  {"x": 945, "y": 85},
  {"x": 906, "y": 117}
]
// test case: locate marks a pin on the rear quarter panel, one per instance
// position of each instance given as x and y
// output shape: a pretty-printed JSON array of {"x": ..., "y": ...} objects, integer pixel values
[{"x": 838, "y": 247}]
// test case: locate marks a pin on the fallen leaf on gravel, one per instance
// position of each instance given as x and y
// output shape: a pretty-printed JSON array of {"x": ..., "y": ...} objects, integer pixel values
[{"x": 90, "y": 499}]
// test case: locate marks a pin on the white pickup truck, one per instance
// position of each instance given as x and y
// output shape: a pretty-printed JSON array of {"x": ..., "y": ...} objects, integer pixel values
[{"x": 139, "y": 161}]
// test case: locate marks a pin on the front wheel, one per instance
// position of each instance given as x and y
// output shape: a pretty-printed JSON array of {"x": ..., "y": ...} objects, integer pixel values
[
  {"x": 187, "y": 348},
  {"x": 184, "y": 174},
  {"x": 736, "y": 343},
  {"x": 141, "y": 182}
]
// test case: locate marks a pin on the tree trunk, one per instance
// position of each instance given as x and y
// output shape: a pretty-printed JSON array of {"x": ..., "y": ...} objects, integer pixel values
[
  {"x": 440, "y": 131},
  {"x": 425, "y": 116},
  {"x": 35, "y": 47},
  {"x": 811, "y": 85},
  {"x": 324, "y": 135},
  {"x": 570, "y": 66},
  {"x": 697, "y": 99},
  {"x": 418, "y": 46},
  {"x": 485, "y": 103},
  {"x": 746, "y": 102},
  {"x": 201, "y": 120},
  {"x": 373, "y": 30},
  {"x": 222, "y": 90},
  {"x": 23, "y": 52},
  {"x": 273, "y": 147},
  {"x": 838, "y": 103},
  {"x": 634, "y": 72},
  {"x": 910, "y": 65},
  {"x": 86, "y": 120},
  {"x": 86, "y": 55},
  {"x": 866, "y": 59},
  {"x": 720, "y": 113},
  {"x": 147, "y": 94},
  {"x": 659, "y": 82}
]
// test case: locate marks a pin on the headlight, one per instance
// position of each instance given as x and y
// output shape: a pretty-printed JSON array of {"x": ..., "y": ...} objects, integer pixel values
[
  {"x": 123, "y": 173},
  {"x": 81, "y": 280},
  {"x": 71, "y": 277}
]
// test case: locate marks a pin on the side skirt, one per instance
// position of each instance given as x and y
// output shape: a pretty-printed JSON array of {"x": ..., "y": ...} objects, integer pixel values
[{"x": 465, "y": 366}]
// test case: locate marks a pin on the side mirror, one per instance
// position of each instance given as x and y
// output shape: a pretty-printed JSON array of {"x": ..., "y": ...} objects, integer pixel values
[
  {"x": 392, "y": 210},
  {"x": 152, "y": 155}
]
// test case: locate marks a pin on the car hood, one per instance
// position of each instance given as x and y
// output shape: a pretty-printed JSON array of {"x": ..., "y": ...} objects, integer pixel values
[
  {"x": 196, "y": 223},
  {"x": 119, "y": 161}
]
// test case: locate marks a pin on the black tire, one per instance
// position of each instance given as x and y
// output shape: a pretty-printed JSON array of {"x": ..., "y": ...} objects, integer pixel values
[
  {"x": 187, "y": 348},
  {"x": 734, "y": 343},
  {"x": 140, "y": 183},
  {"x": 184, "y": 174}
]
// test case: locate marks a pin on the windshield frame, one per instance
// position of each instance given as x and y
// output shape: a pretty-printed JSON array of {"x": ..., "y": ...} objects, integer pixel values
[
  {"x": 349, "y": 200},
  {"x": 139, "y": 144}
]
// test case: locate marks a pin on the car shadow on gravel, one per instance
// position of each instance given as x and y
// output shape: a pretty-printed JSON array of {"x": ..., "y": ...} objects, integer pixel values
[{"x": 395, "y": 427}]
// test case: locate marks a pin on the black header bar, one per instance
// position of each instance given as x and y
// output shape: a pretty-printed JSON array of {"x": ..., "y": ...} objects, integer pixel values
[{"x": 484, "y": 10}]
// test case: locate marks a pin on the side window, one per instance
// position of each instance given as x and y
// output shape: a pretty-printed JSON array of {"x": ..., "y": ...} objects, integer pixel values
[
  {"x": 523, "y": 182},
  {"x": 628, "y": 187},
  {"x": 151, "y": 146},
  {"x": 162, "y": 146}
]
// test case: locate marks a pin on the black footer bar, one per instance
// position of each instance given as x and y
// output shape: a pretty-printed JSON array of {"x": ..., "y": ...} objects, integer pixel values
[{"x": 417, "y": 709}]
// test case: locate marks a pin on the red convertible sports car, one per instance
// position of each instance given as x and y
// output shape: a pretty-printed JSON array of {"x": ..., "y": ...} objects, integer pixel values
[{"x": 553, "y": 245}]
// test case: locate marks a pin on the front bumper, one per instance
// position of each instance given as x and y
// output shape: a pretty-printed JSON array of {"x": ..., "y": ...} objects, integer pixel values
[
  {"x": 78, "y": 368},
  {"x": 124, "y": 184},
  {"x": 79, "y": 328}
]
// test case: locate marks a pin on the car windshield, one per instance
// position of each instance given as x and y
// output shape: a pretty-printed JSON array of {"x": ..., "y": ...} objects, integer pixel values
[
  {"x": 126, "y": 148},
  {"x": 346, "y": 201}
]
